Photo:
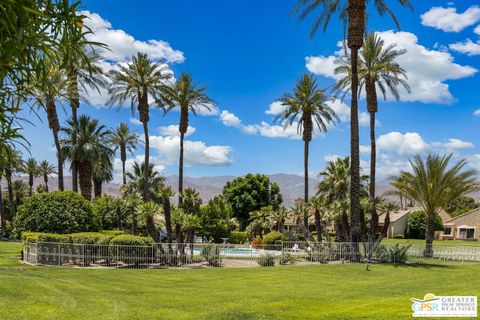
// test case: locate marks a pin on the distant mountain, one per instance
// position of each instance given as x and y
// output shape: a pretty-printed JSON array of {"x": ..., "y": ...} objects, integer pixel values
[{"x": 291, "y": 186}]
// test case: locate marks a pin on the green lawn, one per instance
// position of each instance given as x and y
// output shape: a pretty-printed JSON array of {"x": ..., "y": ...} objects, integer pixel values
[
  {"x": 293, "y": 292},
  {"x": 435, "y": 242}
]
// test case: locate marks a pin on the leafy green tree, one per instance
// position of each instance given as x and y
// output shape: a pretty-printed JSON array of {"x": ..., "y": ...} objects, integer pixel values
[
  {"x": 186, "y": 95},
  {"x": 125, "y": 141},
  {"x": 91, "y": 147},
  {"x": 461, "y": 205},
  {"x": 215, "y": 219},
  {"x": 433, "y": 184},
  {"x": 417, "y": 225},
  {"x": 309, "y": 106},
  {"x": 250, "y": 193},
  {"x": 55, "y": 212},
  {"x": 46, "y": 170},
  {"x": 135, "y": 83},
  {"x": 353, "y": 15},
  {"x": 377, "y": 69}
]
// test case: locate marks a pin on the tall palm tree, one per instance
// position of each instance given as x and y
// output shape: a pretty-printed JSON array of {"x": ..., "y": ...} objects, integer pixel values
[
  {"x": 125, "y": 141},
  {"x": 377, "y": 69},
  {"x": 136, "y": 180},
  {"x": 433, "y": 184},
  {"x": 47, "y": 91},
  {"x": 46, "y": 170},
  {"x": 31, "y": 168},
  {"x": 92, "y": 146},
  {"x": 136, "y": 82},
  {"x": 20, "y": 191},
  {"x": 83, "y": 70},
  {"x": 309, "y": 106},
  {"x": 353, "y": 15},
  {"x": 186, "y": 95}
]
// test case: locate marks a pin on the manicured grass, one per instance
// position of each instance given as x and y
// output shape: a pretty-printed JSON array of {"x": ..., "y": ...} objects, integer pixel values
[
  {"x": 292, "y": 292},
  {"x": 435, "y": 242}
]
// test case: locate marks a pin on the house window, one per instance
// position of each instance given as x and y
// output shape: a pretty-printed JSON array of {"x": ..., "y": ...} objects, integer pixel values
[
  {"x": 448, "y": 231},
  {"x": 466, "y": 233}
]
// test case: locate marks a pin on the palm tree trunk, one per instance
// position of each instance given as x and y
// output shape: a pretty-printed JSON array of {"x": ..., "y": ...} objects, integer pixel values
[
  {"x": 74, "y": 104},
  {"x": 30, "y": 184},
  {"x": 146, "y": 195},
  {"x": 97, "y": 188},
  {"x": 356, "y": 31},
  {"x": 318, "y": 225},
  {"x": 45, "y": 179},
  {"x": 3, "y": 216},
  {"x": 85, "y": 175},
  {"x": 152, "y": 231},
  {"x": 180, "y": 170},
  {"x": 429, "y": 235},
  {"x": 305, "y": 171},
  {"x": 372, "y": 109},
  {"x": 355, "y": 232},
  {"x": 55, "y": 127}
]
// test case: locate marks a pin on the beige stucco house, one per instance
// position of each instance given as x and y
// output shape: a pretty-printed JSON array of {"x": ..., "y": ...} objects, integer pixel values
[{"x": 463, "y": 227}]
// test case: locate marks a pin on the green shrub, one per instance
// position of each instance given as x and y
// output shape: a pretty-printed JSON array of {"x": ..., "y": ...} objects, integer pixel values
[
  {"x": 54, "y": 212},
  {"x": 287, "y": 258},
  {"x": 398, "y": 253},
  {"x": 85, "y": 237},
  {"x": 417, "y": 225},
  {"x": 45, "y": 237},
  {"x": 130, "y": 240},
  {"x": 266, "y": 260},
  {"x": 113, "y": 232},
  {"x": 211, "y": 253},
  {"x": 274, "y": 237},
  {"x": 238, "y": 237}
]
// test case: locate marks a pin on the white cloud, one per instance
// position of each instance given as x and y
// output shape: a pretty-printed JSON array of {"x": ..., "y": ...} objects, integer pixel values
[
  {"x": 172, "y": 131},
  {"x": 135, "y": 121},
  {"x": 427, "y": 69},
  {"x": 276, "y": 108},
  {"x": 453, "y": 144},
  {"x": 410, "y": 143},
  {"x": 477, "y": 30},
  {"x": 388, "y": 168},
  {"x": 474, "y": 161},
  {"x": 477, "y": 113},
  {"x": 321, "y": 65},
  {"x": 364, "y": 119},
  {"x": 448, "y": 20},
  {"x": 365, "y": 149},
  {"x": 332, "y": 157},
  {"x": 468, "y": 47},
  {"x": 196, "y": 152},
  {"x": 123, "y": 45}
]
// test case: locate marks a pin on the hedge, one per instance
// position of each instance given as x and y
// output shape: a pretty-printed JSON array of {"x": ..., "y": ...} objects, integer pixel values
[
  {"x": 274, "y": 237},
  {"x": 129, "y": 240},
  {"x": 238, "y": 237},
  {"x": 87, "y": 238}
]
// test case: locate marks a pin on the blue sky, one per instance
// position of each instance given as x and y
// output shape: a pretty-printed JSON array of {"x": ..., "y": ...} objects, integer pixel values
[{"x": 250, "y": 52}]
